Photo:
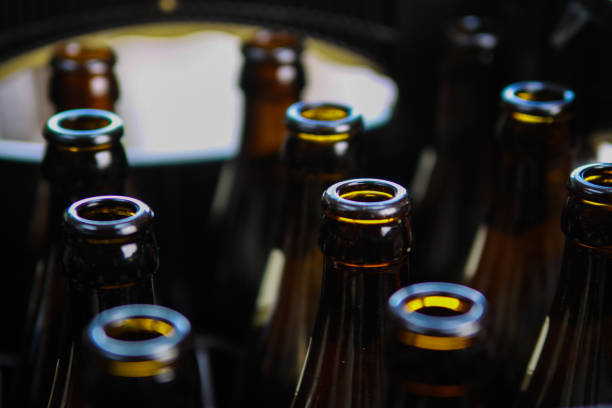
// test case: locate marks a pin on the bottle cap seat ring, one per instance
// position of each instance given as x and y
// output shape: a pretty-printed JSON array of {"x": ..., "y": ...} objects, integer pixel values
[
  {"x": 122, "y": 349},
  {"x": 122, "y": 226},
  {"x": 465, "y": 324},
  {"x": 54, "y": 130},
  {"x": 511, "y": 96},
  {"x": 351, "y": 123}
]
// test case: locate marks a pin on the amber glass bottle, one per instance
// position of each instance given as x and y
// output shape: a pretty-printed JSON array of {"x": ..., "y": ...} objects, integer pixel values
[
  {"x": 137, "y": 355},
  {"x": 516, "y": 256},
  {"x": 320, "y": 149},
  {"x": 247, "y": 201},
  {"x": 437, "y": 351},
  {"x": 366, "y": 238},
  {"x": 571, "y": 363},
  {"x": 452, "y": 189},
  {"x": 82, "y": 77},
  {"x": 110, "y": 258},
  {"x": 83, "y": 157}
]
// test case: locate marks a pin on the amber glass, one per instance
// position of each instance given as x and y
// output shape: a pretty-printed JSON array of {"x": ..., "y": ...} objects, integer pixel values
[
  {"x": 452, "y": 187},
  {"x": 82, "y": 76},
  {"x": 83, "y": 157},
  {"x": 320, "y": 149},
  {"x": 436, "y": 352},
  {"x": 571, "y": 363},
  {"x": 515, "y": 257},
  {"x": 110, "y": 258},
  {"x": 137, "y": 355},
  {"x": 366, "y": 238},
  {"x": 246, "y": 204}
]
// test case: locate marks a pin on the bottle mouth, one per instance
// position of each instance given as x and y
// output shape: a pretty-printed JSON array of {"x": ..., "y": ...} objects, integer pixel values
[
  {"x": 108, "y": 216},
  {"x": 282, "y": 47},
  {"x": 592, "y": 183},
  {"x": 537, "y": 98},
  {"x": 438, "y": 315},
  {"x": 472, "y": 31},
  {"x": 74, "y": 56},
  {"x": 83, "y": 128},
  {"x": 366, "y": 201},
  {"x": 138, "y": 340},
  {"x": 323, "y": 121}
]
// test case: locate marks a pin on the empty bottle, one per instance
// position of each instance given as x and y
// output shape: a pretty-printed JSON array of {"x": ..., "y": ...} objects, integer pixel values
[
  {"x": 82, "y": 77},
  {"x": 571, "y": 362},
  {"x": 452, "y": 189},
  {"x": 516, "y": 256},
  {"x": 366, "y": 238},
  {"x": 320, "y": 149},
  {"x": 437, "y": 350},
  {"x": 247, "y": 201},
  {"x": 138, "y": 355}
]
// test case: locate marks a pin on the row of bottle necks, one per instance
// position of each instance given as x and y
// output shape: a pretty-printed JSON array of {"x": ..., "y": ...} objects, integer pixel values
[{"x": 262, "y": 266}]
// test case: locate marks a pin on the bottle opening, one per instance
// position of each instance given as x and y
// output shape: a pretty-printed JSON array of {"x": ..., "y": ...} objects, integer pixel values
[
  {"x": 441, "y": 306},
  {"x": 82, "y": 53},
  {"x": 366, "y": 194},
  {"x": 540, "y": 95},
  {"x": 438, "y": 315},
  {"x": 601, "y": 177},
  {"x": 270, "y": 40},
  {"x": 107, "y": 210},
  {"x": 85, "y": 122},
  {"x": 532, "y": 100},
  {"x": 325, "y": 113},
  {"x": 138, "y": 329}
]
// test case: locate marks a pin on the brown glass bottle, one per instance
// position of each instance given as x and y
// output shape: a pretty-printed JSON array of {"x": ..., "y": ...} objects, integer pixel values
[
  {"x": 452, "y": 198},
  {"x": 516, "y": 256},
  {"x": 571, "y": 363},
  {"x": 320, "y": 149},
  {"x": 437, "y": 352},
  {"x": 83, "y": 157},
  {"x": 247, "y": 201},
  {"x": 137, "y": 355},
  {"x": 110, "y": 258},
  {"x": 82, "y": 77},
  {"x": 366, "y": 238}
]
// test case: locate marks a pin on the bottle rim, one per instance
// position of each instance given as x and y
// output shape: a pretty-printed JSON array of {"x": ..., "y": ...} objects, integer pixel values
[
  {"x": 592, "y": 182},
  {"x": 110, "y": 132},
  {"x": 465, "y": 324},
  {"x": 563, "y": 98},
  {"x": 161, "y": 348},
  {"x": 285, "y": 51},
  {"x": 349, "y": 124},
  {"x": 72, "y": 56},
  {"x": 140, "y": 214},
  {"x": 381, "y": 202}
]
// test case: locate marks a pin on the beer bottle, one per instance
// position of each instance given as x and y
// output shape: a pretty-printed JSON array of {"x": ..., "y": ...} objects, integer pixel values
[
  {"x": 247, "y": 201},
  {"x": 571, "y": 361},
  {"x": 437, "y": 351},
  {"x": 110, "y": 258},
  {"x": 451, "y": 199},
  {"x": 320, "y": 149},
  {"x": 82, "y": 76},
  {"x": 83, "y": 157},
  {"x": 138, "y": 355},
  {"x": 366, "y": 238},
  {"x": 515, "y": 257}
]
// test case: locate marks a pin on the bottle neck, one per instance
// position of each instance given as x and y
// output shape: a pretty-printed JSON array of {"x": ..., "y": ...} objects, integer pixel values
[
  {"x": 266, "y": 101},
  {"x": 535, "y": 161},
  {"x": 75, "y": 173}
]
